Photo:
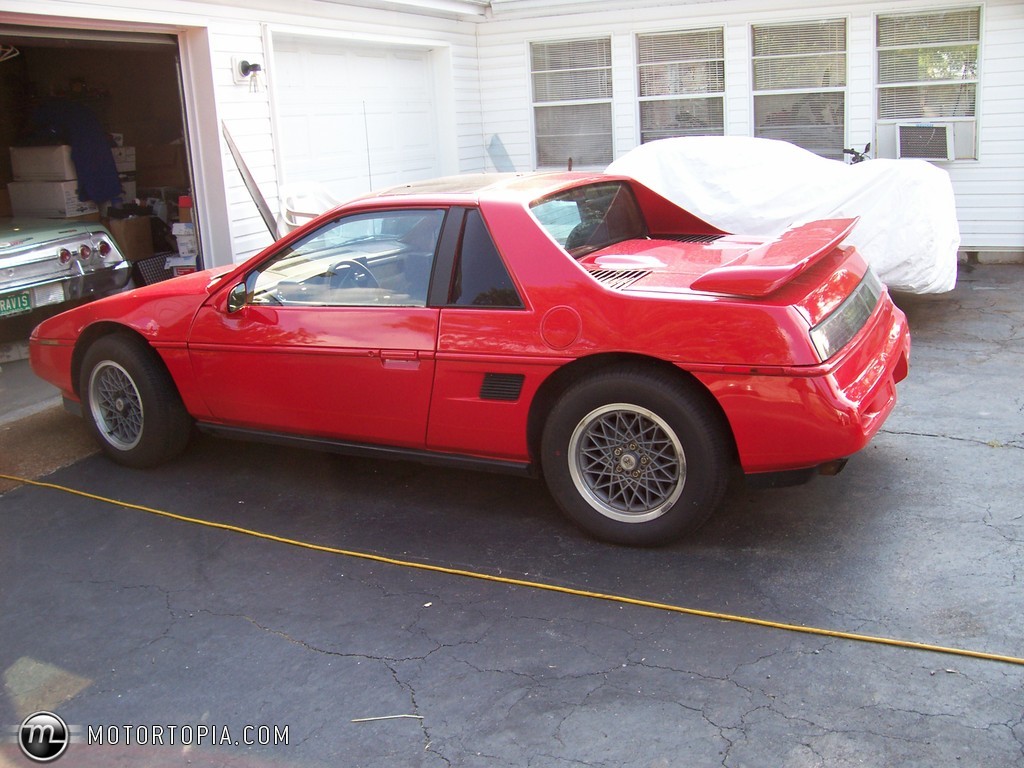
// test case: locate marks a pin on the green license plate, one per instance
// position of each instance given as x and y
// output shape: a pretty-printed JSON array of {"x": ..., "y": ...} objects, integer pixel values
[{"x": 15, "y": 304}]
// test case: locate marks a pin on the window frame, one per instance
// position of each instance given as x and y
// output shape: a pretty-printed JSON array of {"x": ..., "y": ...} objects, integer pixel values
[
  {"x": 804, "y": 93},
  {"x": 681, "y": 96},
  {"x": 965, "y": 127},
  {"x": 539, "y": 103}
]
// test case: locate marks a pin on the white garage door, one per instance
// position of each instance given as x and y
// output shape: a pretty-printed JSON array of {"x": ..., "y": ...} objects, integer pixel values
[{"x": 354, "y": 118}]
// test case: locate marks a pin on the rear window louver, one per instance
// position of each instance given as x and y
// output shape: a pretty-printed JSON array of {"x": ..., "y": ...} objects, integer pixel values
[
  {"x": 691, "y": 238},
  {"x": 618, "y": 278}
]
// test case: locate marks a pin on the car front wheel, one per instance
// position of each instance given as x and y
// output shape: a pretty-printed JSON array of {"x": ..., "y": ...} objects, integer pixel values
[
  {"x": 131, "y": 404},
  {"x": 635, "y": 456}
]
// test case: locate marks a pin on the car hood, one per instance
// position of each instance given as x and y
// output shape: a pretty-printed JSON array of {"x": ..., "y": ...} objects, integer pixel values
[{"x": 162, "y": 312}]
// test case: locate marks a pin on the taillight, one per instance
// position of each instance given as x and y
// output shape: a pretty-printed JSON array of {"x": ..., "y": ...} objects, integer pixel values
[
  {"x": 84, "y": 252},
  {"x": 64, "y": 255},
  {"x": 838, "y": 329},
  {"x": 104, "y": 248}
]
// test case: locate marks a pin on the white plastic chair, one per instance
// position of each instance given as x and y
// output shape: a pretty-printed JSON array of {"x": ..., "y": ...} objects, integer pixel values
[{"x": 301, "y": 202}]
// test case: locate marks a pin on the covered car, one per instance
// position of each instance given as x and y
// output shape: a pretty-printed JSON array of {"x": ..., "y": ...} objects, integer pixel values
[
  {"x": 575, "y": 326},
  {"x": 908, "y": 229}
]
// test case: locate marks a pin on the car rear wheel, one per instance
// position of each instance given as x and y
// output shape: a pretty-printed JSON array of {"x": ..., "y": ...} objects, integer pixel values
[
  {"x": 131, "y": 404},
  {"x": 635, "y": 456}
]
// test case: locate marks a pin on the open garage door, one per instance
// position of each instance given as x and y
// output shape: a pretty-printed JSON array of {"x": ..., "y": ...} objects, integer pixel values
[
  {"x": 354, "y": 117},
  {"x": 92, "y": 148}
]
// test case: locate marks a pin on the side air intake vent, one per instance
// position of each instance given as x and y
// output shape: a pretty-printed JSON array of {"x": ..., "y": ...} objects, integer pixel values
[
  {"x": 618, "y": 278},
  {"x": 502, "y": 386}
]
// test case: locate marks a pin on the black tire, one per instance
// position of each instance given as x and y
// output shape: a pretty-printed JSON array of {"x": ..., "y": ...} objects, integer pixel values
[
  {"x": 636, "y": 456},
  {"x": 131, "y": 404}
]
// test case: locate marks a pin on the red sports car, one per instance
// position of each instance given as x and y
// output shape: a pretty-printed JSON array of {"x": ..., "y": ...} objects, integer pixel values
[{"x": 578, "y": 326}]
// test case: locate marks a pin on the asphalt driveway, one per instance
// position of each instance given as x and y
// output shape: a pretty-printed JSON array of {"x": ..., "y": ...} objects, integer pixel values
[{"x": 124, "y": 621}]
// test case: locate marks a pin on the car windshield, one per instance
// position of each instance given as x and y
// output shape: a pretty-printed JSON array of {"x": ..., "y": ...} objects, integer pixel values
[{"x": 589, "y": 218}]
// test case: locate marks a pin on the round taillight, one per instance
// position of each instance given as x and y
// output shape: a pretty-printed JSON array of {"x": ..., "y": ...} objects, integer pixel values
[
  {"x": 64, "y": 255},
  {"x": 104, "y": 248},
  {"x": 84, "y": 252}
]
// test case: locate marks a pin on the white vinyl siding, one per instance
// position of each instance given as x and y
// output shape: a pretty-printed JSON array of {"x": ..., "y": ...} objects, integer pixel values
[
  {"x": 572, "y": 102},
  {"x": 681, "y": 79},
  {"x": 799, "y": 80}
]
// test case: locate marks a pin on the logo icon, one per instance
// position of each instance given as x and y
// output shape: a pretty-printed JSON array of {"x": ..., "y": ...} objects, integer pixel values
[{"x": 43, "y": 737}]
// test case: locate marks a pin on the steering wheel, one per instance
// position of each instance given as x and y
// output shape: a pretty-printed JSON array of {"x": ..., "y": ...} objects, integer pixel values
[{"x": 352, "y": 274}]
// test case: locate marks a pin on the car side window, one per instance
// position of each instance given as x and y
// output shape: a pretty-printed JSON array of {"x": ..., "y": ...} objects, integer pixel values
[
  {"x": 481, "y": 279},
  {"x": 379, "y": 258}
]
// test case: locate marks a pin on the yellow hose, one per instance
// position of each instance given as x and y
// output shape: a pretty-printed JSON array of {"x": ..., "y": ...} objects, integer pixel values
[{"x": 535, "y": 584}]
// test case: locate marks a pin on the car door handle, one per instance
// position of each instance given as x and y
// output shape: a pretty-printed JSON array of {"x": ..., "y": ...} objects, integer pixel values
[
  {"x": 399, "y": 354},
  {"x": 400, "y": 358}
]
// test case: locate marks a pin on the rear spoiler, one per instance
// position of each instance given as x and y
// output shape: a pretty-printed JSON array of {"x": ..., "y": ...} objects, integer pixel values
[{"x": 768, "y": 267}]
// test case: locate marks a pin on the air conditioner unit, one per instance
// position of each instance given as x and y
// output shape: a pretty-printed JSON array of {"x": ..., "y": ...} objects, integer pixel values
[{"x": 926, "y": 141}]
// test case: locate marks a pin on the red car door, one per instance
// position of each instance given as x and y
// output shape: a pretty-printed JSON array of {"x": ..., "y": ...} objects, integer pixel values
[{"x": 331, "y": 336}]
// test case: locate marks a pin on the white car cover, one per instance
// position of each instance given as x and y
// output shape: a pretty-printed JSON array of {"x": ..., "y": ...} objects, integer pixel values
[{"x": 908, "y": 229}]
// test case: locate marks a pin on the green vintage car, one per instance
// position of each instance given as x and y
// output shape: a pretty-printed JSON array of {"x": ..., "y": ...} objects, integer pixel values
[{"x": 44, "y": 262}]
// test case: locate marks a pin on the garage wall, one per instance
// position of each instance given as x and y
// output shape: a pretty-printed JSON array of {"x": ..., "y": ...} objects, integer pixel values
[
  {"x": 251, "y": 115},
  {"x": 989, "y": 191}
]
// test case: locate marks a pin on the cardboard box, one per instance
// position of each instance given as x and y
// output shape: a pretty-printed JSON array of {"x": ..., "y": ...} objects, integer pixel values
[
  {"x": 48, "y": 199},
  {"x": 134, "y": 236},
  {"x": 124, "y": 159},
  {"x": 43, "y": 163},
  {"x": 128, "y": 190},
  {"x": 185, "y": 236},
  {"x": 162, "y": 165}
]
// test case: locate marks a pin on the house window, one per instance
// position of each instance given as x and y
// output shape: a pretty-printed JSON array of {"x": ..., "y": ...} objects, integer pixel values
[
  {"x": 800, "y": 84},
  {"x": 572, "y": 102},
  {"x": 928, "y": 82},
  {"x": 682, "y": 84}
]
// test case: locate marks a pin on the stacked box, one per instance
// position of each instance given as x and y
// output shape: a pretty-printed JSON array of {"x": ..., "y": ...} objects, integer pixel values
[
  {"x": 43, "y": 163},
  {"x": 48, "y": 199},
  {"x": 188, "y": 248},
  {"x": 124, "y": 161},
  {"x": 45, "y": 181}
]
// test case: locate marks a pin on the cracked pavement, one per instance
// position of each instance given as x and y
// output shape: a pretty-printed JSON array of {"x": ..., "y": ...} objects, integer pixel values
[{"x": 921, "y": 538}]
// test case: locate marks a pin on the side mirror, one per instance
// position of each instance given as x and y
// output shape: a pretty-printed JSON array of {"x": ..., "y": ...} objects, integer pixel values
[{"x": 237, "y": 298}]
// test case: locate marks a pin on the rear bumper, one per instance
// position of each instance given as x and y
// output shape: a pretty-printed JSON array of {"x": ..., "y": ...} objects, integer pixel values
[
  {"x": 69, "y": 286},
  {"x": 805, "y": 418}
]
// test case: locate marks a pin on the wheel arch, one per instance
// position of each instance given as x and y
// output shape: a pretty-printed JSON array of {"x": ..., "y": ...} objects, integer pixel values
[
  {"x": 94, "y": 333},
  {"x": 557, "y": 383}
]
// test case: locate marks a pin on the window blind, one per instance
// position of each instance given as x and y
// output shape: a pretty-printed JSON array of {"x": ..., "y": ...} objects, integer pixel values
[
  {"x": 928, "y": 64},
  {"x": 788, "y": 56},
  {"x": 572, "y": 90},
  {"x": 572, "y": 70},
  {"x": 681, "y": 77},
  {"x": 799, "y": 78}
]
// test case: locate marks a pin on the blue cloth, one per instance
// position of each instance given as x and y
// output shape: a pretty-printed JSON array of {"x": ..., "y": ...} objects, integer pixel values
[{"x": 72, "y": 123}]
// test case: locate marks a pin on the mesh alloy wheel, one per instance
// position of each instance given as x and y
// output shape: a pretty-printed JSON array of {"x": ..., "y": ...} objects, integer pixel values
[
  {"x": 627, "y": 462},
  {"x": 116, "y": 405}
]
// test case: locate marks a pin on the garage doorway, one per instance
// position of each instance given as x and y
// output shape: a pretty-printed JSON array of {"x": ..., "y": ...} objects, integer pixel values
[
  {"x": 131, "y": 83},
  {"x": 353, "y": 117}
]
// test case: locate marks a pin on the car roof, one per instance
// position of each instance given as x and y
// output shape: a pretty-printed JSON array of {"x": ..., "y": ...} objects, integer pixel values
[{"x": 525, "y": 187}]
